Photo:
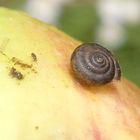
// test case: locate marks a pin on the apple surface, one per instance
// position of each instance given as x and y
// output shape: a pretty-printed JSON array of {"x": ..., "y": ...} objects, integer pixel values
[{"x": 40, "y": 99}]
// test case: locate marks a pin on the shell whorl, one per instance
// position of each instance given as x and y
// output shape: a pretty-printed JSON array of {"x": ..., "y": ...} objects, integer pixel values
[{"x": 94, "y": 64}]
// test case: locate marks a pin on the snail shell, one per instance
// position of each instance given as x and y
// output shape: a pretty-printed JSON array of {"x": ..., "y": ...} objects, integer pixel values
[{"x": 94, "y": 64}]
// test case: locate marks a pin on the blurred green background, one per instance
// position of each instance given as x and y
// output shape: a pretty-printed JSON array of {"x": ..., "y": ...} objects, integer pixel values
[{"x": 82, "y": 18}]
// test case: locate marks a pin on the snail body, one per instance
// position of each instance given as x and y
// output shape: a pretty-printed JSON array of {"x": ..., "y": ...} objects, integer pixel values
[{"x": 94, "y": 64}]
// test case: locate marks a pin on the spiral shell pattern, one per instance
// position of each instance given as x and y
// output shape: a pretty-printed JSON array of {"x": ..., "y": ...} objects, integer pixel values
[{"x": 94, "y": 64}]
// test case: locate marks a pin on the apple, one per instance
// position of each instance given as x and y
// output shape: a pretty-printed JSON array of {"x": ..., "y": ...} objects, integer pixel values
[{"x": 40, "y": 99}]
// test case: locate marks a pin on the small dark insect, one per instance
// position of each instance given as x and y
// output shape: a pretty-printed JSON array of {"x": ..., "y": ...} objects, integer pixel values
[
  {"x": 34, "y": 56},
  {"x": 94, "y": 64},
  {"x": 16, "y": 74}
]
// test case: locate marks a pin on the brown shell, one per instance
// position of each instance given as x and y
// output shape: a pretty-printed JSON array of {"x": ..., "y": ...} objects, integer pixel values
[{"x": 94, "y": 64}]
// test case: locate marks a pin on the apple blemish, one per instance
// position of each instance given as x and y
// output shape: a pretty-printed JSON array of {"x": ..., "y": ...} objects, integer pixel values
[
  {"x": 16, "y": 74},
  {"x": 34, "y": 56},
  {"x": 16, "y": 61}
]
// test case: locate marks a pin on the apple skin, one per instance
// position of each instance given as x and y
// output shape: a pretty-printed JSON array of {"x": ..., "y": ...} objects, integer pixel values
[{"x": 48, "y": 103}]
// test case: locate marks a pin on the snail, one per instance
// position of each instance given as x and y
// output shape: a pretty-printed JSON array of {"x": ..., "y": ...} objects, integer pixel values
[{"x": 93, "y": 64}]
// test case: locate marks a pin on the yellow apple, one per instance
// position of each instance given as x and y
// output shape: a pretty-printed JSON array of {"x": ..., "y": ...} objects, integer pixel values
[{"x": 41, "y": 100}]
